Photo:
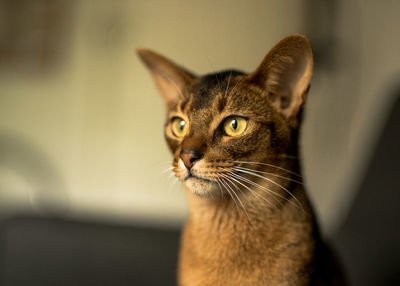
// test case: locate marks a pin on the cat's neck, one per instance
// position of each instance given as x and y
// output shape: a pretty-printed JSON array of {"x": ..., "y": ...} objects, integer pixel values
[{"x": 219, "y": 228}]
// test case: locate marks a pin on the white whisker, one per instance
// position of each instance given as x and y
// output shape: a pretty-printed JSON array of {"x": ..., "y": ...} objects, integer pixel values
[
  {"x": 266, "y": 164},
  {"x": 219, "y": 185},
  {"x": 251, "y": 191},
  {"x": 167, "y": 170},
  {"x": 172, "y": 185},
  {"x": 263, "y": 188},
  {"x": 226, "y": 188},
  {"x": 268, "y": 173},
  {"x": 275, "y": 183},
  {"x": 229, "y": 180}
]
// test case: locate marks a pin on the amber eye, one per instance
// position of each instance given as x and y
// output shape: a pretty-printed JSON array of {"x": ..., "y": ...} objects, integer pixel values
[
  {"x": 179, "y": 127},
  {"x": 235, "y": 125}
]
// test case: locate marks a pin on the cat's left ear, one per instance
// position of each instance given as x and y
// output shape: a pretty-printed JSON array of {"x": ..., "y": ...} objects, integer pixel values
[
  {"x": 285, "y": 74},
  {"x": 172, "y": 80}
]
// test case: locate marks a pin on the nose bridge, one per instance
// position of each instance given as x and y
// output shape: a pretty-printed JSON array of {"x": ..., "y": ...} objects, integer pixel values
[
  {"x": 197, "y": 138},
  {"x": 195, "y": 141},
  {"x": 193, "y": 147}
]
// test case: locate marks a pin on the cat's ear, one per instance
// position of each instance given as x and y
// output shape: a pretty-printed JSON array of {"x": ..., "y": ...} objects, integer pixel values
[
  {"x": 285, "y": 74},
  {"x": 172, "y": 81}
]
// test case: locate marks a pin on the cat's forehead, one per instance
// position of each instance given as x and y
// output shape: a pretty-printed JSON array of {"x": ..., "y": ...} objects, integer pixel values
[
  {"x": 213, "y": 88},
  {"x": 223, "y": 92}
]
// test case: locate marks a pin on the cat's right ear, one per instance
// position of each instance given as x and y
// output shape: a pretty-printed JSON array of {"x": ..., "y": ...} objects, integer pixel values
[
  {"x": 285, "y": 74},
  {"x": 172, "y": 80}
]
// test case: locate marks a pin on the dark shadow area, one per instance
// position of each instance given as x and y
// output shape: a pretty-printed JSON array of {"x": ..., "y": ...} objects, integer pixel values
[
  {"x": 369, "y": 240},
  {"x": 38, "y": 251}
]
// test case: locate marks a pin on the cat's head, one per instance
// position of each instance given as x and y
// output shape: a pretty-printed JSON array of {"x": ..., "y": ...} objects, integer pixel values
[{"x": 219, "y": 123}]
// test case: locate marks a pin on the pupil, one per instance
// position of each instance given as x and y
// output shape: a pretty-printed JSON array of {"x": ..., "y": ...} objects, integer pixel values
[
  {"x": 181, "y": 125},
  {"x": 234, "y": 124}
]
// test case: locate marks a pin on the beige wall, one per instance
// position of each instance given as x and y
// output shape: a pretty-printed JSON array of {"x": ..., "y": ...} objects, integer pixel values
[
  {"x": 87, "y": 136},
  {"x": 349, "y": 104}
]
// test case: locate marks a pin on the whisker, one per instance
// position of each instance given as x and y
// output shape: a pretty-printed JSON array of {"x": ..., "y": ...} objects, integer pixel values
[
  {"x": 172, "y": 185},
  {"x": 219, "y": 185},
  {"x": 275, "y": 183},
  {"x": 167, "y": 170},
  {"x": 252, "y": 191},
  {"x": 225, "y": 186},
  {"x": 266, "y": 164},
  {"x": 229, "y": 180},
  {"x": 268, "y": 173},
  {"x": 263, "y": 188},
  {"x": 230, "y": 188}
]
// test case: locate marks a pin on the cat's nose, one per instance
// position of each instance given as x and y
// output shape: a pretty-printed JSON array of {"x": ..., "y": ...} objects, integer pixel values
[{"x": 189, "y": 157}]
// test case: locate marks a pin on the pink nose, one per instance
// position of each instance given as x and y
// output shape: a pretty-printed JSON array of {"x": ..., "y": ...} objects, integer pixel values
[{"x": 190, "y": 157}]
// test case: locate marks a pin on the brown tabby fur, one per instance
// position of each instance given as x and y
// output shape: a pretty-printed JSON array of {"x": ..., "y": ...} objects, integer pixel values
[{"x": 249, "y": 223}]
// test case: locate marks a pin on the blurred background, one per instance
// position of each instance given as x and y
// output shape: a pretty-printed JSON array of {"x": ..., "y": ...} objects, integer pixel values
[{"x": 83, "y": 196}]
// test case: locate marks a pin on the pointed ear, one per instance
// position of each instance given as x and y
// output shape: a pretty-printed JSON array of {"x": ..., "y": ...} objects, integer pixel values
[
  {"x": 172, "y": 81},
  {"x": 285, "y": 75}
]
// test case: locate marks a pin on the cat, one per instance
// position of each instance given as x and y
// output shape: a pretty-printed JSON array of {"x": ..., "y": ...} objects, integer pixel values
[{"x": 234, "y": 139}]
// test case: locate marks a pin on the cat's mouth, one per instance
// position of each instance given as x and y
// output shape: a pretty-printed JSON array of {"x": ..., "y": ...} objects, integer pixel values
[
  {"x": 191, "y": 176},
  {"x": 200, "y": 186},
  {"x": 200, "y": 180}
]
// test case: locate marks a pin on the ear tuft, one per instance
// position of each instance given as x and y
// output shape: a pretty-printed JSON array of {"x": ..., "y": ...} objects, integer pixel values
[
  {"x": 285, "y": 73},
  {"x": 172, "y": 80}
]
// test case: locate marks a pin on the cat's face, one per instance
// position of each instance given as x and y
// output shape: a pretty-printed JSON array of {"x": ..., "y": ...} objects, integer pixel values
[{"x": 219, "y": 123}]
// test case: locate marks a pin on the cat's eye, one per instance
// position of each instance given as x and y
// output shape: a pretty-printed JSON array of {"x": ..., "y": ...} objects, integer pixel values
[
  {"x": 235, "y": 125},
  {"x": 179, "y": 127}
]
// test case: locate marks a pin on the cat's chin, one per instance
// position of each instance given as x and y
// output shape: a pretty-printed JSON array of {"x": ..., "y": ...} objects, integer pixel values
[{"x": 201, "y": 187}]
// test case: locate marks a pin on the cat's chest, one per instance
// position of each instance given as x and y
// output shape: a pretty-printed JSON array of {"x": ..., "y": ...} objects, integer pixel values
[
  {"x": 262, "y": 255},
  {"x": 231, "y": 270}
]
